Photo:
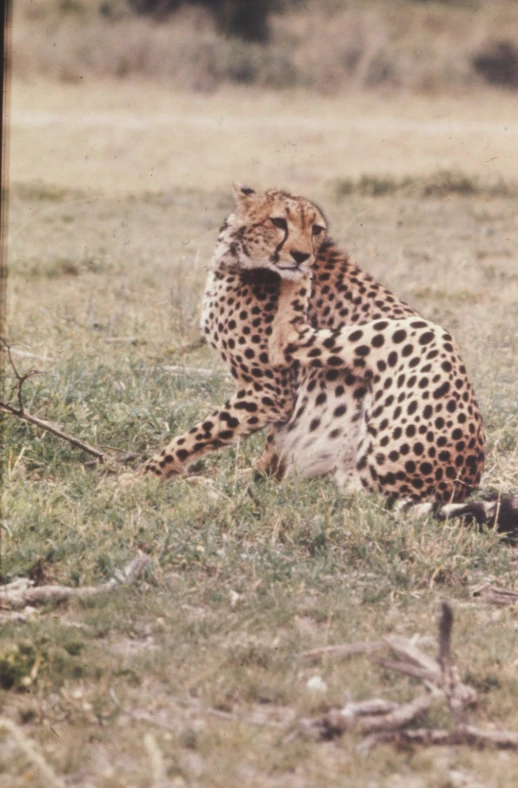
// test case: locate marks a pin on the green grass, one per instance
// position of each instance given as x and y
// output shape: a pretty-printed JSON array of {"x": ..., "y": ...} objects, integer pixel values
[
  {"x": 439, "y": 185},
  {"x": 243, "y": 576}
]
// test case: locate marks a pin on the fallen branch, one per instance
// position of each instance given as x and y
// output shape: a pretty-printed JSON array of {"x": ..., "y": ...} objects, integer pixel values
[
  {"x": 337, "y": 721},
  {"x": 122, "y": 340},
  {"x": 401, "y": 716},
  {"x": 27, "y": 354},
  {"x": 467, "y": 734},
  {"x": 20, "y": 412},
  {"x": 201, "y": 342},
  {"x": 381, "y": 721},
  {"x": 366, "y": 708},
  {"x": 22, "y": 592},
  {"x": 121, "y": 459},
  {"x": 413, "y": 656},
  {"x": 179, "y": 370},
  {"x": 399, "y": 666},
  {"x": 343, "y": 651},
  {"x": 45, "y": 425},
  {"x": 495, "y": 595},
  {"x": 458, "y": 695},
  {"x": 434, "y": 673}
]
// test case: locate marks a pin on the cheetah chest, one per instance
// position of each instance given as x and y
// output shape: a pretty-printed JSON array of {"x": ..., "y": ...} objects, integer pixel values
[{"x": 237, "y": 317}]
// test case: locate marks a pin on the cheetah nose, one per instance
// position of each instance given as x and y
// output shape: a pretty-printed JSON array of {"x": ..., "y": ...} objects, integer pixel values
[{"x": 299, "y": 257}]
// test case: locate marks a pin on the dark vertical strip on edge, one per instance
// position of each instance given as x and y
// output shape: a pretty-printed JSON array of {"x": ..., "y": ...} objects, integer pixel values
[{"x": 5, "y": 60}]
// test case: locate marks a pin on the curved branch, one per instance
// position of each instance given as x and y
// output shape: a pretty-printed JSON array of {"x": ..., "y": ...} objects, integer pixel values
[{"x": 23, "y": 414}]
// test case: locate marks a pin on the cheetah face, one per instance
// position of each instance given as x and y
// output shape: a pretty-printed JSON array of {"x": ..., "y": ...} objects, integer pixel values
[{"x": 276, "y": 230}]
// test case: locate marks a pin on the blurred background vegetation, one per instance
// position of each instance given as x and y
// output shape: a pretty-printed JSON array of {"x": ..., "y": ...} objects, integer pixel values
[{"x": 322, "y": 45}]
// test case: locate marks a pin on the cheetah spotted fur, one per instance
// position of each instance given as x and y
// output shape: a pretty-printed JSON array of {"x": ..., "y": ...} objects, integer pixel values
[{"x": 377, "y": 397}]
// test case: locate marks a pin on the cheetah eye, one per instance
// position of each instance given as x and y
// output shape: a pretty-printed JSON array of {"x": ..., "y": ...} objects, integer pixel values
[
  {"x": 317, "y": 229},
  {"x": 282, "y": 224}
]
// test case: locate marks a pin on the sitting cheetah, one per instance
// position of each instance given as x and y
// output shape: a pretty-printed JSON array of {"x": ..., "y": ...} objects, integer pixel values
[{"x": 378, "y": 397}]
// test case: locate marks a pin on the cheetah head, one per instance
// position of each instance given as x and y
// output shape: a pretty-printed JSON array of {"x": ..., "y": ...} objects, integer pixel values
[{"x": 275, "y": 230}]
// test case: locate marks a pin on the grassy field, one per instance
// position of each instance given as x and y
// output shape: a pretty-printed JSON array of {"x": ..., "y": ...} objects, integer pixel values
[{"x": 193, "y": 675}]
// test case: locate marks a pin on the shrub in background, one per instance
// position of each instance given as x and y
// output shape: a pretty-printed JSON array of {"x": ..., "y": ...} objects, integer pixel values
[
  {"x": 498, "y": 64},
  {"x": 242, "y": 18}
]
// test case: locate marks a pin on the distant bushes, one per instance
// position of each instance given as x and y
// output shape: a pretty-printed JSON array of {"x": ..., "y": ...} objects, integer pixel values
[
  {"x": 498, "y": 64},
  {"x": 246, "y": 19},
  {"x": 321, "y": 45}
]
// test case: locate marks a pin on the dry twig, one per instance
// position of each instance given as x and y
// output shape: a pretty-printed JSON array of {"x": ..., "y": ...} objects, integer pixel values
[
  {"x": 343, "y": 651},
  {"x": 467, "y": 734},
  {"x": 337, "y": 721},
  {"x": 200, "y": 342},
  {"x": 179, "y": 370},
  {"x": 495, "y": 595},
  {"x": 122, "y": 340},
  {"x": 22, "y": 592},
  {"x": 381, "y": 721},
  {"x": 27, "y": 354},
  {"x": 20, "y": 412},
  {"x": 122, "y": 458}
]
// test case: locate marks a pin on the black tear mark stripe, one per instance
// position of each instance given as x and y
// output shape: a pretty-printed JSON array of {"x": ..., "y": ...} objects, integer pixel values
[{"x": 275, "y": 255}]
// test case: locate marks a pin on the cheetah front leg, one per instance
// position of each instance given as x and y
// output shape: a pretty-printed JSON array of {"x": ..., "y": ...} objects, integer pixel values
[
  {"x": 289, "y": 326},
  {"x": 242, "y": 415},
  {"x": 355, "y": 347},
  {"x": 289, "y": 320},
  {"x": 294, "y": 340}
]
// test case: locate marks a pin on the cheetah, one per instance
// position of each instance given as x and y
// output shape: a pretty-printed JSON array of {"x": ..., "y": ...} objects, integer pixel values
[{"x": 352, "y": 382}]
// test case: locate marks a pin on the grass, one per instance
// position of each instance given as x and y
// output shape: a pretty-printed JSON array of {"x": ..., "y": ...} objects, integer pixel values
[
  {"x": 193, "y": 676},
  {"x": 441, "y": 184}
]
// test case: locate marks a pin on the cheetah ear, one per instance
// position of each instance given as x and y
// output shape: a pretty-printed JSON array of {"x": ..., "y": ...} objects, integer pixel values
[{"x": 241, "y": 192}]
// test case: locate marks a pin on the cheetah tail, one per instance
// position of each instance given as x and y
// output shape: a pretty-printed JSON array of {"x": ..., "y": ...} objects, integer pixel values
[{"x": 501, "y": 514}]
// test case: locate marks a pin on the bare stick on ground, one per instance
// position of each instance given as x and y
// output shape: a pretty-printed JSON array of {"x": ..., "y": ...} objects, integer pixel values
[
  {"x": 180, "y": 371},
  {"x": 20, "y": 412},
  {"x": 22, "y": 592},
  {"x": 337, "y": 721},
  {"x": 495, "y": 595},
  {"x": 200, "y": 342},
  {"x": 380, "y": 721},
  {"x": 469, "y": 734},
  {"x": 342, "y": 651}
]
